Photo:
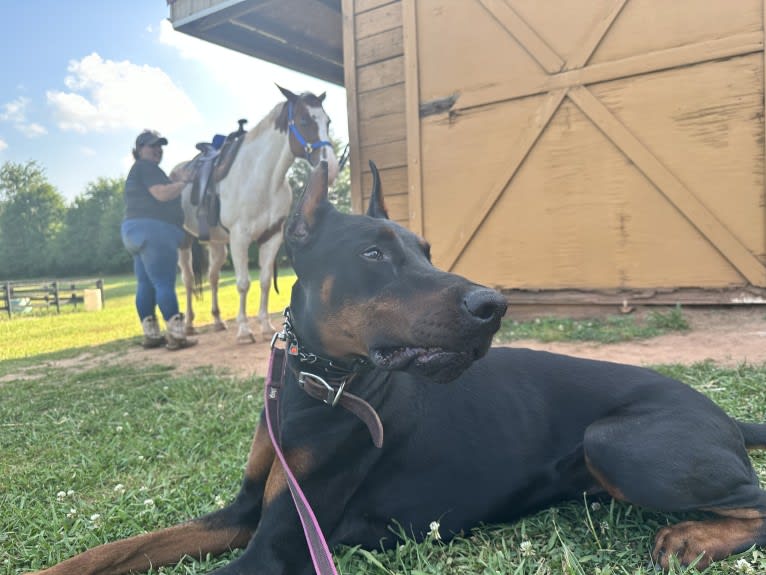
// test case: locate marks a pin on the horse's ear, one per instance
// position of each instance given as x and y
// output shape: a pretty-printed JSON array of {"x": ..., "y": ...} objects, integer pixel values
[
  {"x": 287, "y": 93},
  {"x": 303, "y": 219},
  {"x": 322, "y": 96},
  {"x": 377, "y": 208}
]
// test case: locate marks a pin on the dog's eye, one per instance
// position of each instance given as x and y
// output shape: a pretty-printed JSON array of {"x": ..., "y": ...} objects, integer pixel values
[{"x": 372, "y": 254}]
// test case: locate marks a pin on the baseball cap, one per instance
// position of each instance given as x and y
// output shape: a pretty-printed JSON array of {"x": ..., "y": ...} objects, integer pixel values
[{"x": 150, "y": 138}]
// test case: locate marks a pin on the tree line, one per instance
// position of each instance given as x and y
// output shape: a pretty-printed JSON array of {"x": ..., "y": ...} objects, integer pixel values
[{"x": 41, "y": 236}]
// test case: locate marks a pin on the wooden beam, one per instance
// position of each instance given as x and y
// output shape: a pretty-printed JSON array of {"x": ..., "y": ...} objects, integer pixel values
[
  {"x": 585, "y": 50},
  {"x": 671, "y": 187},
  {"x": 412, "y": 116},
  {"x": 352, "y": 105},
  {"x": 690, "y": 54},
  {"x": 525, "y": 35},
  {"x": 518, "y": 152}
]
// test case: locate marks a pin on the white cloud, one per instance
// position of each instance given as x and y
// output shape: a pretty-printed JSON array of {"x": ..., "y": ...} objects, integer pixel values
[
  {"x": 32, "y": 130},
  {"x": 3, "y": 145},
  {"x": 14, "y": 111},
  {"x": 105, "y": 95},
  {"x": 88, "y": 151}
]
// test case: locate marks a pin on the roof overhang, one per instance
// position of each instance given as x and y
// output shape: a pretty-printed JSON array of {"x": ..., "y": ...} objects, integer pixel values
[{"x": 303, "y": 35}]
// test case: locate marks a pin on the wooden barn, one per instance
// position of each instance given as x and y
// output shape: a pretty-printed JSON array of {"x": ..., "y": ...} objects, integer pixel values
[{"x": 598, "y": 151}]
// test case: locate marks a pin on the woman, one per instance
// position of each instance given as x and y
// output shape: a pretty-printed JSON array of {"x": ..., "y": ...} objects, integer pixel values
[{"x": 152, "y": 232}]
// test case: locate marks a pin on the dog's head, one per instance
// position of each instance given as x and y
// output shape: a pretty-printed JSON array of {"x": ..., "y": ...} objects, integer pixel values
[{"x": 367, "y": 289}]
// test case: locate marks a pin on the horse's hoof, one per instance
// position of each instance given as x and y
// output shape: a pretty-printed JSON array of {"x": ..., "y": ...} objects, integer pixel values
[
  {"x": 191, "y": 330},
  {"x": 246, "y": 338},
  {"x": 220, "y": 327}
]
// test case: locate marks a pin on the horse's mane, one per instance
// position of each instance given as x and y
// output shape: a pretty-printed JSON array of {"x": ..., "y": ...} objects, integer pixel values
[
  {"x": 277, "y": 118},
  {"x": 269, "y": 121}
]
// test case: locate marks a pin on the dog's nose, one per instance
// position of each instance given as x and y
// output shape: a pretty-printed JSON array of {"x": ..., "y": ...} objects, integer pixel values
[{"x": 485, "y": 305}]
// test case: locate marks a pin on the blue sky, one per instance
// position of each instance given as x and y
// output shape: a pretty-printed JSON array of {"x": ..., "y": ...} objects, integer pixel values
[{"x": 81, "y": 78}]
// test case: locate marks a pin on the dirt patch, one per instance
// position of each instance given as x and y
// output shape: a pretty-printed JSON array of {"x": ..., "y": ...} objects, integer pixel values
[{"x": 726, "y": 336}]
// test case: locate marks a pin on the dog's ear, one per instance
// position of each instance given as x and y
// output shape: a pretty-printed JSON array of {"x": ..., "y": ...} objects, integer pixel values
[
  {"x": 377, "y": 208},
  {"x": 287, "y": 93},
  {"x": 303, "y": 218}
]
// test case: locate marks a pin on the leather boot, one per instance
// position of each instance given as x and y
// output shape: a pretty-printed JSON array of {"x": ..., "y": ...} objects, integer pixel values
[
  {"x": 176, "y": 333},
  {"x": 152, "y": 336}
]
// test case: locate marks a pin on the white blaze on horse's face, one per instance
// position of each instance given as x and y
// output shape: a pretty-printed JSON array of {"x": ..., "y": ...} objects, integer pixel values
[{"x": 326, "y": 153}]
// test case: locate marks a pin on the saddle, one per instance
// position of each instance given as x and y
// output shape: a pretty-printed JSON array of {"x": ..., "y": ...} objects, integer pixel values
[{"x": 211, "y": 166}]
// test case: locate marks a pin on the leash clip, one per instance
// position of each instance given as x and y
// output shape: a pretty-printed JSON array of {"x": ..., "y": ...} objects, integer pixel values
[
  {"x": 278, "y": 336},
  {"x": 333, "y": 394},
  {"x": 282, "y": 335}
]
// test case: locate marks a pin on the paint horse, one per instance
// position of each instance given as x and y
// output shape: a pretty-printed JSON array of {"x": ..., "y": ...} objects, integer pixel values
[{"x": 255, "y": 199}]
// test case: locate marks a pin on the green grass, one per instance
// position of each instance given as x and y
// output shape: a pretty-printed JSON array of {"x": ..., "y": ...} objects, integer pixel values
[
  {"x": 90, "y": 454},
  {"x": 611, "y": 329},
  {"x": 176, "y": 444},
  {"x": 74, "y": 329}
]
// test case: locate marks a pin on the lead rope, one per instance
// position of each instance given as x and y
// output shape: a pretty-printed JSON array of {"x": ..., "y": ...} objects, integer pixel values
[{"x": 320, "y": 552}]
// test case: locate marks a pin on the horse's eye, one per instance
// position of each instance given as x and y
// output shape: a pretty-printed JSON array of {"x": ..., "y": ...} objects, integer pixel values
[{"x": 372, "y": 254}]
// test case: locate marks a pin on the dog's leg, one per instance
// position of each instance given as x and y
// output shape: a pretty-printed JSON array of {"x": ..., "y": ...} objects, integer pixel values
[
  {"x": 737, "y": 530},
  {"x": 216, "y": 533},
  {"x": 279, "y": 545},
  {"x": 674, "y": 460},
  {"x": 212, "y": 534}
]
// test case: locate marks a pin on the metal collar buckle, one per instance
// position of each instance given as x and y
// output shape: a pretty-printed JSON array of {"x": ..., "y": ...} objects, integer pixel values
[{"x": 333, "y": 394}]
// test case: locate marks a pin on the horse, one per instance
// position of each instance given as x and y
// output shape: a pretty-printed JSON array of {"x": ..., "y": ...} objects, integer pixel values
[{"x": 255, "y": 199}]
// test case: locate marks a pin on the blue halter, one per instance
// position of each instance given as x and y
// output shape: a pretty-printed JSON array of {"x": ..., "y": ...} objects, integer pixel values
[{"x": 308, "y": 147}]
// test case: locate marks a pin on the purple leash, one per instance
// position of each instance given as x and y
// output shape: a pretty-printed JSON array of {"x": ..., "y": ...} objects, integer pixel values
[{"x": 320, "y": 552}]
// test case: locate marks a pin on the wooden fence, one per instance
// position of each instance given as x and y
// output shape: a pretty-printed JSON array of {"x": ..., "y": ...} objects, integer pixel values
[{"x": 19, "y": 297}]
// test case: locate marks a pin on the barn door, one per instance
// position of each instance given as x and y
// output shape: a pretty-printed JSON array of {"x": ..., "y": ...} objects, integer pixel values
[{"x": 600, "y": 145}]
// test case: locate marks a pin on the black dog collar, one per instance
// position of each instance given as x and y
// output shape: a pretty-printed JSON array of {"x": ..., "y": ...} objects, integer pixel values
[{"x": 331, "y": 369}]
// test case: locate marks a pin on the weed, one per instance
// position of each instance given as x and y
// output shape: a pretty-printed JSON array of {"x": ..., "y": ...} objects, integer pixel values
[{"x": 611, "y": 329}]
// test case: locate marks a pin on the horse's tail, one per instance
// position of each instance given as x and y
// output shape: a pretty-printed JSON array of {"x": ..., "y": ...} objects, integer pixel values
[
  {"x": 200, "y": 264},
  {"x": 275, "y": 273}
]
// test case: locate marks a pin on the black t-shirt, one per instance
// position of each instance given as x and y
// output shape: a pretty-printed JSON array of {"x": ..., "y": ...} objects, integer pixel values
[{"x": 140, "y": 203}]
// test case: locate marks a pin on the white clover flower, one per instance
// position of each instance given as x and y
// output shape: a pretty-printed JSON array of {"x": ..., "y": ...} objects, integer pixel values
[
  {"x": 165, "y": 388},
  {"x": 249, "y": 397},
  {"x": 595, "y": 506},
  {"x": 60, "y": 496},
  {"x": 526, "y": 548},
  {"x": 141, "y": 458},
  {"x": 125, "y": 414},
  {"x": 742, "y": 566},
  {"x": 95, "y": 517},
  {"x": 70, "y": 492},
  {"x": 119, "y": 488},
  {"x": 220, "y": 502},
  {"x": 149, "y": 502},
  {"x": 118, "y": 429},
  {"x": 434, "y": 531},
  {"x": 72, "y": 512}
]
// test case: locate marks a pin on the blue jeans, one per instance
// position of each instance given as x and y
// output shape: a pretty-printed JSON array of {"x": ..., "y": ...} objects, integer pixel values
[{"x": 154, "y": 247}]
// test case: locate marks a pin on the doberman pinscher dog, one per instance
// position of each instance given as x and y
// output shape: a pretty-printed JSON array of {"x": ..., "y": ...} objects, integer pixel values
[{"x": 472, "y": 435}]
